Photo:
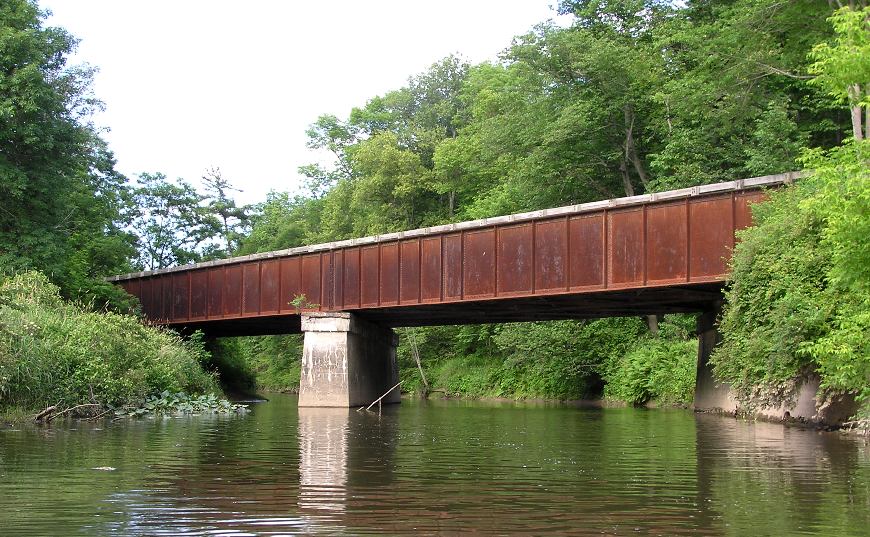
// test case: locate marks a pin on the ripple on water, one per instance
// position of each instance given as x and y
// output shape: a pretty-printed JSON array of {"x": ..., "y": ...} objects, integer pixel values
[{"x": 433, "y": 469}]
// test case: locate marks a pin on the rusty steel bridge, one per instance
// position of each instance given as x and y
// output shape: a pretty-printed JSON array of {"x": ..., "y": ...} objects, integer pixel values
[{"x": 649, "y": 254}]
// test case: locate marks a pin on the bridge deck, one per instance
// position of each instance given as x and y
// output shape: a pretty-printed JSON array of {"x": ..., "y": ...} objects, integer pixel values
[{"x": 657, "y": 253}]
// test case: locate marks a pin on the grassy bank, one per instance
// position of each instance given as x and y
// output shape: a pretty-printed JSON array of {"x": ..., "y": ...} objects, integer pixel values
[{"x": 57, "y": 353}]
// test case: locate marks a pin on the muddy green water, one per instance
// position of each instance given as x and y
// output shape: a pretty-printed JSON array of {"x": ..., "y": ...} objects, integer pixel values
[{"x": 433, "y": 468}]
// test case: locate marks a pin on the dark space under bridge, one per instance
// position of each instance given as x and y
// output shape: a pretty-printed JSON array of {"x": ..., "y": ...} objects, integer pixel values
[{"x": 651, "y": 254}]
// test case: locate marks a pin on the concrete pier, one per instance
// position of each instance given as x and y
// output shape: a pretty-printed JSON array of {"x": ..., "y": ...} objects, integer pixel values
[
  {"x": 346, "y": 361},
  {"x": 710, "y": 395}
]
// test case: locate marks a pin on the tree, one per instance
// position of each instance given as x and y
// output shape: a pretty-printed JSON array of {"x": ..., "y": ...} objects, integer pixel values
[
  {"x": 386, "y": 197},
  {"x": 233, "y": 219},
  {"x": 170, "y": 222},
  {"x": 337, "y": 137},
  {"x": 735, "y": 73},
  {"x": 62, "y": 200},
  {"x": 842, "y": 69}
]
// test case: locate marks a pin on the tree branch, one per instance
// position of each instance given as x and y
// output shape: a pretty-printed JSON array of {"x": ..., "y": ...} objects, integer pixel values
[{"x": 777, "y": 71}]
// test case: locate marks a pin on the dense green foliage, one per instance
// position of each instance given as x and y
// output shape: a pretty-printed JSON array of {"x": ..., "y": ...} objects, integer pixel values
[
  {"x": 616, "y": 358},
  {"x": 635, "y": 96},
  {"x": 800, "y": 295},
  {"x": 799, "y": 302},
  {"x": 56, "y": 353},
  {"x": 62, "y": 200}
]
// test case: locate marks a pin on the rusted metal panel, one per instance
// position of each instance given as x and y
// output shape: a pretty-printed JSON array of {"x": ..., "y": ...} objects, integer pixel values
[
  {"x": 743, "y": 209},
  {"x": 351, "y": 278},
  {"x": 291, "y": 283},
  {"x": 133, "y": 287},
  {"x": 180, "y": 296},
  {"x": 711, "y": 237},
  {"x": 430, "y": 269},
  {"x": 370, "y": 266},
  {"x": 327, "y": 281},
  {"x": 666, "y": 233},
  {"x": 452, "y": 266},
  {"x": 233, "y": 290},
  {"x": 198, "y": 294},
  {"x": 625, "y": 238},
  {"x": 215, "y": 292},
  {"x": 478, "y": 260},
  {"x": 551, "y": 255},
  {"x": 337, "y": 279},
  {"x": 166, "y": 298},
  {"x": 514, "y": 267},
  {"x": 147, "y": 298},
  {"x": 311, "y": 285},
  {"x": 154, "y": 291},
  {"x": 270, "y": 286},
  {"x": 409, "y": 264},
  {"x": 389, "y": 280},
  {"x": 250, "y": 288},
  {"x": 586, "y": 256}
]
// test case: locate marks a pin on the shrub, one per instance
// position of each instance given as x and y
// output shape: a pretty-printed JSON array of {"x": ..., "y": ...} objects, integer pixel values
[
  {"x": 799, "y": 291},
  {"x": 52, "y": 352},
  {"x": 655, "y": 369}
]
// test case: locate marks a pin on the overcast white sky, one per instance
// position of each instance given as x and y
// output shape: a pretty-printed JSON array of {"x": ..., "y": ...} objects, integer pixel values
[{"x": 192, "y": 84}]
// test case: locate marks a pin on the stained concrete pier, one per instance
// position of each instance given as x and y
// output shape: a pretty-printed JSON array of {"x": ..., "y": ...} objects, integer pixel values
[{"x": 346, "y": 361}]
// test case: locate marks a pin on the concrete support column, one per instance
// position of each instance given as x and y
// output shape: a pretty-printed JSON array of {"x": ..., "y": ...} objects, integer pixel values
[
  {"x": 709, "y": 394},
  {"x": 346, "y": 361}
]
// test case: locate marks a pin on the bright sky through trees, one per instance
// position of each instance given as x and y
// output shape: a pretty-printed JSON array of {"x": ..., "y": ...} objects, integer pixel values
[{"x": 198, "y": 84}]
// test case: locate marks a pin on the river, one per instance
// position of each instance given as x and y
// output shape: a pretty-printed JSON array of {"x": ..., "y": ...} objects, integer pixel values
[{"x": 433, "y": 468}]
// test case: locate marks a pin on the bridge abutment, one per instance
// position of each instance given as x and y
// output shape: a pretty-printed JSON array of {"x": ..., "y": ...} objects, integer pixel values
[
  {"x": 346, "y": 361},
  {"x": 715, "y": 396},
  {"x": 710, "y": 395}
]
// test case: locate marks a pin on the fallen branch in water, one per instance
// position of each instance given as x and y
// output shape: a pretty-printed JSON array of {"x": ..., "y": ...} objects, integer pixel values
[
  {"x": 378, "y": 400},
  {"x": 44, "y": 413},
  {"x": 862, "y": 424},
  {"x": 70, "y": 409},
  {"x": 416, "y": 352},
  {"x": 98, "y": 416}
]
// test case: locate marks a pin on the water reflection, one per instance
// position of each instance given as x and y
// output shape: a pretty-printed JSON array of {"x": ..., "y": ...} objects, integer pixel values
[
  {"x": 343, "y": 451},
  {"x": 434, "y": 468},
  {"x": 323, "y": 447},
  {"x": 767, "y": 479}
]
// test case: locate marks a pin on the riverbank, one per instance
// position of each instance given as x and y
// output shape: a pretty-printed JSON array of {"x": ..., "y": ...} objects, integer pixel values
[{"x": 60, "y": 355}]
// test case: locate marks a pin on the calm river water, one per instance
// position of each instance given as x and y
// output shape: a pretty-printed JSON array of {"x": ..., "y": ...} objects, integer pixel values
[{"x": 433, "y": 468}]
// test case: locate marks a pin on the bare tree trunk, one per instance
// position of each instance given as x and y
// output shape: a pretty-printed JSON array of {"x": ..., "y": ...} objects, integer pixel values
[
  {"x": 626, "y": 180},
  {"x": 867, "y": 115},
  {"x": 451, "y": 202},
  {"x": 855, "y": 94},
  {"x": 630, "y": 148}
]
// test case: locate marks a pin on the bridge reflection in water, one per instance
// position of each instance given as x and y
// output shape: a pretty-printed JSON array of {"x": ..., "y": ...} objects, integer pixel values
[
  {"x": 323, "y": 447},
  {"x": 434, "y": 468},
  {"x": 343, "y": 451}
]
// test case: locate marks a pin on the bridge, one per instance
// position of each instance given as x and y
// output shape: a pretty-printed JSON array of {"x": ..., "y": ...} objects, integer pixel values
[{"x": 651, "y": 254}]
